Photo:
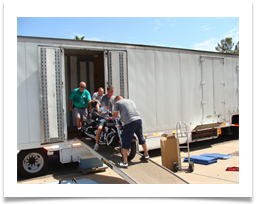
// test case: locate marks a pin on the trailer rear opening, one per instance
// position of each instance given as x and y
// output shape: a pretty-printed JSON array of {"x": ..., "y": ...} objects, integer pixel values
[{"x": 82, "y": 65}]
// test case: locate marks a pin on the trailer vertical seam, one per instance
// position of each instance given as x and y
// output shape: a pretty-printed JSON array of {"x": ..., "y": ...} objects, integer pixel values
[
  {"x": 202, "y": 89},
  {"x": 213, "y": 87},
  {"x": 27, "y": 89},
  {"x": 180, "y": 96}
]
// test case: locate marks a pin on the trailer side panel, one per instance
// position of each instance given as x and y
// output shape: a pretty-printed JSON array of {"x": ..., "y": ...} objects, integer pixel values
[{"x": 28, "y": 94}]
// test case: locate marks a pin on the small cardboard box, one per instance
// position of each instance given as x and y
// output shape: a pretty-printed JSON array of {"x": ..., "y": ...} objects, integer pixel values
[
  {"x": 168, "y": 136},
  {"x": 169, "y": 150}
]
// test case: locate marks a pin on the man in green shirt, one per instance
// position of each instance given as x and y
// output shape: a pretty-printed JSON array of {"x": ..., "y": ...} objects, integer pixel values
[{"x": 80, "y": 98}]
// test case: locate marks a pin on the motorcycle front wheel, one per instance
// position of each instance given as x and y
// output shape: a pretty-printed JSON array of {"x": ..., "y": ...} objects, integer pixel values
[{"x": 131, "y": 152}]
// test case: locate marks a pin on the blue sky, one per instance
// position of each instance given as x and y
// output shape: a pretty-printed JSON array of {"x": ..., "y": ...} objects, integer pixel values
[{"x": 201, "y": 33}]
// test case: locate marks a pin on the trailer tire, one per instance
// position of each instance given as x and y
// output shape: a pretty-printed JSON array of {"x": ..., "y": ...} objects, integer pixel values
[{"x": 32, "y": 163}]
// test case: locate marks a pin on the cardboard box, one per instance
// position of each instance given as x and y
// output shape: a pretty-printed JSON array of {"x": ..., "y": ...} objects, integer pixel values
[
  {"x": 168, "y": 136},
  {"x": 169, "y": 150}
]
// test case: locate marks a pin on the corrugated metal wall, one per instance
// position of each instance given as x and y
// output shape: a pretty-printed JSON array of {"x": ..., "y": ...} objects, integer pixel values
[
  {"x": 28, "y": 110},
  {"x": 167, "y": 87}
]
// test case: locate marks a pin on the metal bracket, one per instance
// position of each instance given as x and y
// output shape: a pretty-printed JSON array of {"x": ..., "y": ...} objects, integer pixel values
[
  {"x": 44, "y": 96},
  {"x": 121, "y": 71},
  {"x": 110, "y": 68}
]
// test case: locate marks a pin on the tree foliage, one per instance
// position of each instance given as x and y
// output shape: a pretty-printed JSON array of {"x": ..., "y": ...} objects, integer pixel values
[
  {"x": 77, "y": 38},
  {"x": 226, "y": 46}
]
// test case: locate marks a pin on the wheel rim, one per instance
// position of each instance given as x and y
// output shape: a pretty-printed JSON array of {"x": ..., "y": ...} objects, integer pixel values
[
  {"x": 33, "y": 162},
  {"x": 129, "y": 152}
]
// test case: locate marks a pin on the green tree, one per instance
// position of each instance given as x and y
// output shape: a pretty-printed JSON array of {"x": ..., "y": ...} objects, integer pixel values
[
  {"x": 77, "y": 38},
  {"x": 225, "y": 45},
  {"x": 236, "y": 51}
]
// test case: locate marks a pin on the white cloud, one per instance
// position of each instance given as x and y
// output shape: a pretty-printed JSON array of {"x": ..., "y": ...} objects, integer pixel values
[
  {"x": 157, "y": 44},
  {"x": 157, "y": 24},
  {"x": 208, "y": 45},
  {"x": 234, "y": 33},
  {"x": 211, "y": 43},
  {"x": 206, "y": 27},
  {"x": 93, "y": 38}
]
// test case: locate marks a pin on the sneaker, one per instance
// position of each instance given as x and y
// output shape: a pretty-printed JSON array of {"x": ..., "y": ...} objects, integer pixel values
[
  {"x": 96, "y": 147},
  {"x": 123, "y": 164},
  {"x": 145, "y": 157}
]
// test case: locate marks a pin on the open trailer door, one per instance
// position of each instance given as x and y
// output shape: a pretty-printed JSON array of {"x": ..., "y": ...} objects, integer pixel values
[
  {"x": 50, "y": 92},
  {"x": 115, "y": 68}
]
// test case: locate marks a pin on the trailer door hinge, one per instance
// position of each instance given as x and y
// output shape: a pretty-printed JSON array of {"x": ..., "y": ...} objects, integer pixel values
[
  {"x": 223, "y": 83},
  {"x": 203, "y": 83},
  {"x": 203, "y": 102}
]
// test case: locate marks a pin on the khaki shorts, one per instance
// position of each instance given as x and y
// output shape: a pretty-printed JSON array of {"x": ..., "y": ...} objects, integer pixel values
[{"x": 81, "y": 113}]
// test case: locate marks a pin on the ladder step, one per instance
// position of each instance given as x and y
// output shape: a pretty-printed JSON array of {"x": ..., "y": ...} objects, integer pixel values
[{"x": 183, "y": 147}]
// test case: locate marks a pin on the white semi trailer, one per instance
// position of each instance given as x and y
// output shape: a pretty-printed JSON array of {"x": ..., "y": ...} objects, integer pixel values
[{"x": 168, "y": 85}]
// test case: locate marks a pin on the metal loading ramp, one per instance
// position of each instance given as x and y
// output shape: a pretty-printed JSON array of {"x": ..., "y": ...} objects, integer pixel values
[{"x": 138, "y": 172}]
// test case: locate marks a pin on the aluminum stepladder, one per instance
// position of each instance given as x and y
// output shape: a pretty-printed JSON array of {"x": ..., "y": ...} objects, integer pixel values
[{"x": 182, "y": 132}]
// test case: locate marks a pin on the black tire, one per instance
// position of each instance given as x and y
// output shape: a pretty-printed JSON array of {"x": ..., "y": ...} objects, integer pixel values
[
  {"x": 175, "y": 167},
  {"x": 32, "y": 163},
  {"x": 131, "y": 152},
  {"x": 191, "y": 167}
]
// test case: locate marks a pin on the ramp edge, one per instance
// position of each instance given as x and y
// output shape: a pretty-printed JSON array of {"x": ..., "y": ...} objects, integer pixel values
[
  {"x": 109, "y": 164},
  {"x": 166, "y": 169}
]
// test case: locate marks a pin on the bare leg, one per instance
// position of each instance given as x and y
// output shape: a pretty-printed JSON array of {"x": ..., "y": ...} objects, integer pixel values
[
  {"x": 78, "y": 122},
  {"x": 144, "y": 146},
  {"x": 125, "y": 151},
  {"x": 98, "y": 134}
]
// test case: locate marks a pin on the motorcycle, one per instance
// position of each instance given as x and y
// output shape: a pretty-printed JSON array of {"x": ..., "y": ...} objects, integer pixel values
[{"x": 111, "y": 134}]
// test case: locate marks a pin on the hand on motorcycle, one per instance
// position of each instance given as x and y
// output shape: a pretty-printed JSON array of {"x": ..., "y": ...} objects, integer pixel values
[{"x": 115, "y": 114}]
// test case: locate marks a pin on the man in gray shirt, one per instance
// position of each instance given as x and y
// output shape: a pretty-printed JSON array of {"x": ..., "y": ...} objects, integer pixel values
[
  {"x": 96, "y": 98},
  {"x": 132, "y": 124}
]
